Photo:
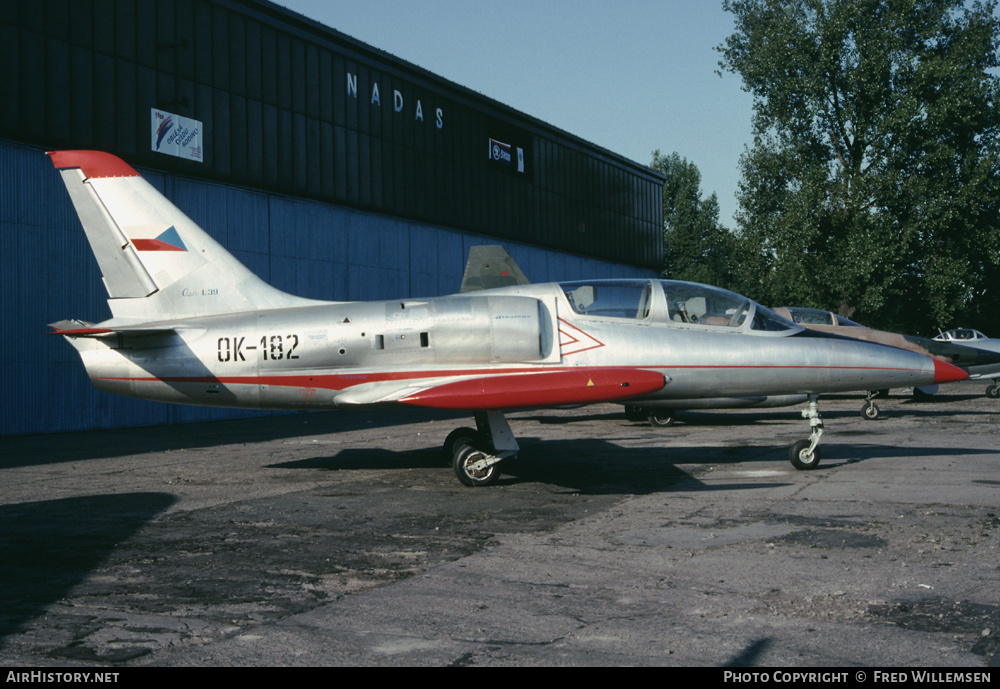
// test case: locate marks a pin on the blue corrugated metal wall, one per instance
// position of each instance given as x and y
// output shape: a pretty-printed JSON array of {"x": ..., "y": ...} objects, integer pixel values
[{"x": 304, "y": 247}]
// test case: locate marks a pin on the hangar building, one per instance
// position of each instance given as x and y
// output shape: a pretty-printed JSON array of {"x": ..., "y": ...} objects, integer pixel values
[{"x": 330, "y": 168}]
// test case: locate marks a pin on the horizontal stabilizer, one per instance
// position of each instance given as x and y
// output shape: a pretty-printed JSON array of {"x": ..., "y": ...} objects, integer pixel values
[{"x": 75, "y": 328}]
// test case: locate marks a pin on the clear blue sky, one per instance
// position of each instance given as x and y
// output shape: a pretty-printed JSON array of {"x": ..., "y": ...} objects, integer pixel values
[{"x": 631, "y": 76}]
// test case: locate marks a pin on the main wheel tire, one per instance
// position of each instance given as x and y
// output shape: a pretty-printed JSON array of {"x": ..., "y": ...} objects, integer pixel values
[
  {"x": 870, "y": 412},
  {"x": 457, "y": 438},
  {"x": 799, "y": 457},
  {"x": 661, "y": 418},
  {"x": 464, "y": 458}
]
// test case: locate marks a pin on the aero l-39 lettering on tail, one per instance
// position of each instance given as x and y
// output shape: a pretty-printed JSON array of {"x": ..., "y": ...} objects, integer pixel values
[{"x": 191, "y": 325}]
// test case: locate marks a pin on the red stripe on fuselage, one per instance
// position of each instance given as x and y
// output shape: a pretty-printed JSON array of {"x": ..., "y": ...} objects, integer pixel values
[{"x": 347, "y": 380}]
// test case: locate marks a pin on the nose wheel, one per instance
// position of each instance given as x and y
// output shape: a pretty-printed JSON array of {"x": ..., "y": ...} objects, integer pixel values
[
  {"x": 993, "y": 391},
  {"x": 804, "y": 455},
  {"x": 871, "y": 412}
]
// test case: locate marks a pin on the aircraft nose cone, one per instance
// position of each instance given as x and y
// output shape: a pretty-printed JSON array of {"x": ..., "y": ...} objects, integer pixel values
[{"x": 947, "y": 373}]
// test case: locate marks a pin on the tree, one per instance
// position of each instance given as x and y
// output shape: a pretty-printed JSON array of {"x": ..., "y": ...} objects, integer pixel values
[
  {"x": 872, "y": 185},
  {"x": 695, "y": 246}
]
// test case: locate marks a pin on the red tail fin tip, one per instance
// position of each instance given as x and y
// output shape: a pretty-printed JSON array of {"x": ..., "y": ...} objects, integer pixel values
[{"x": 95, "y": 164}]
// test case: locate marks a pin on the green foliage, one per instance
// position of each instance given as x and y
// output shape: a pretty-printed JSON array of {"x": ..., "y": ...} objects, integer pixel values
[
  {"x": 695, "y": 246},
  {"x": 872, "y": 185}
]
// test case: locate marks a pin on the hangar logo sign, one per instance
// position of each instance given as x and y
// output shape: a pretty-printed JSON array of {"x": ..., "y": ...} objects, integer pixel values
[
  {"x": 502, "y": 153},
  {"x": 176, "y": 135}
]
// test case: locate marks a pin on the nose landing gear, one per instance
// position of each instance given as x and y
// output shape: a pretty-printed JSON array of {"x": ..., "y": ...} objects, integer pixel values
[
  {"x": 870, "y": 411},
  {"x": 805, "y": 455}
]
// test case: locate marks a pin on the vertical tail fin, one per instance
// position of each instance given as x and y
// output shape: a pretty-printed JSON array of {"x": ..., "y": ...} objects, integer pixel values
[
  {"x": 491, "y": 266},
  {"x": 156, "y": 262}
]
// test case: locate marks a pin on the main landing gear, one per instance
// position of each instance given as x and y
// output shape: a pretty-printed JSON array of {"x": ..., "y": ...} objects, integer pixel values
[
  {"x": 475, "y": 454},
  {"x": 658, "y": 417},
  {"x": 805, "y": 453}
]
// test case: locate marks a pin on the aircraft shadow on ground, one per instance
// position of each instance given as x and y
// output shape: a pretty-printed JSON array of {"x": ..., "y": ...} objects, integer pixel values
[
  {"x": 37, "y": 450},
  {"x": 592, "y": 466},
  {"x": 50, "y": 547},
  {"x": 752, "y": 417},
  {"x": 597, "y": 466}
]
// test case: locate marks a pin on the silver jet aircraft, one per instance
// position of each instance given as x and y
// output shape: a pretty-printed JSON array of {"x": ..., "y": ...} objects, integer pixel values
[{"x": 192, "y": 325}]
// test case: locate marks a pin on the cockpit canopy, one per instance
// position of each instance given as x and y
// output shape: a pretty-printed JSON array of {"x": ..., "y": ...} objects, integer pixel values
[
  {"x": 681, "y": 304},
  {"x": 630, "y": 299},
  {"x": 961, "y": 334}
]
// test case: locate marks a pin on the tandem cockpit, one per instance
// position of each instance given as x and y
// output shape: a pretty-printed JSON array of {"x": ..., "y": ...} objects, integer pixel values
[{"x": 688, "y": 305}]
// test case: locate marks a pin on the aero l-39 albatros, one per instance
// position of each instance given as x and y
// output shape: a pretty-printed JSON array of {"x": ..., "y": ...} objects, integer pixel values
[{"x": 192, "y": 325}]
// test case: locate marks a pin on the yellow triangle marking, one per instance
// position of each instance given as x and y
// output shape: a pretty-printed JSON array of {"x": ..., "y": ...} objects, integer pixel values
[{"x": 590, "y": 383}]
